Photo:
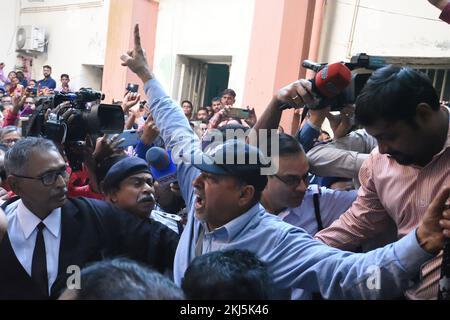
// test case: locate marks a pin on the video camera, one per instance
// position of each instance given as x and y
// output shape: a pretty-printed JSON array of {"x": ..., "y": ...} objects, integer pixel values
[
  {"x": 67, "y": 118},
  {"x": 340, "y": 83}
]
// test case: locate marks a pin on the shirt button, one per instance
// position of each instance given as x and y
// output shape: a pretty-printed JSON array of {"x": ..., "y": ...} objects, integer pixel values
[{"x": 422, "y": 203}]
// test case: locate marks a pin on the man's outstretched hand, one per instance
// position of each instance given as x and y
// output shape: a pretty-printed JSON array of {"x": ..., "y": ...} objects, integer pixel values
[{"x": 136, "y": 60}]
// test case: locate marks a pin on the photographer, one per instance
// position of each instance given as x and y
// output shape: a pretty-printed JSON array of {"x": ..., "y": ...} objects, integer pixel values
[{"x": 344, "y": 155}]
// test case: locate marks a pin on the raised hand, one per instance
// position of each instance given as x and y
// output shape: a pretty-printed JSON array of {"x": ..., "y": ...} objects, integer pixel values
[
  {"x": 106, "y": 147},
  {"x": 150, "y": 132},
  {"x": 136, "y": 60},
  {"x": 296, "y": 94},
  {"x": 130, "y": 100}
]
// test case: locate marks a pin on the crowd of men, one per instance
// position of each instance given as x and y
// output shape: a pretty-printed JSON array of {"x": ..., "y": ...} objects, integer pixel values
[{"x": 190, "y": 210}]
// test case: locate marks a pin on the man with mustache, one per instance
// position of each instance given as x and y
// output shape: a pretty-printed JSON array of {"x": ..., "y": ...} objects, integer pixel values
[
  {"x": 49, "y": 237},
  {"x": 225, "y": 213},
  {"x": 129, "y": 185}
]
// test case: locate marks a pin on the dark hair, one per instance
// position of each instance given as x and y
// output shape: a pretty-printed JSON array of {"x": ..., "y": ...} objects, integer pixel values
[
  {"x": 124, "y": 279},
  {"x": 230, "y": 92},
  {"x": 202, "y": 109},
  {"x": 17, "y": 158},
  {"x": 215, "y": 99},
  {"x": 222, "y": 275},
  {"x": 392, "y": 94},
  {"x": 47, "y": 66},
  {"x": 103, "y": 168},
  {"x": 288, "y": 145},
  {"x": 187, "y": 101},
  {"x": 65, "y": 75}
]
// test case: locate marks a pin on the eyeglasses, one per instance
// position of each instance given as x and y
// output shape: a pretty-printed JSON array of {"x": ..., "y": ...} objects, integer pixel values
[
  {"x": 49, "y": 178},
  {"x": 293, "y": 181}
]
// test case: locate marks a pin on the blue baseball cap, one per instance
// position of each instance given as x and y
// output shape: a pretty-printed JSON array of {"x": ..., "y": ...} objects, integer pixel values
[
  {"x": 235, "y": 158},
  {"x": 122, "y": 169}
]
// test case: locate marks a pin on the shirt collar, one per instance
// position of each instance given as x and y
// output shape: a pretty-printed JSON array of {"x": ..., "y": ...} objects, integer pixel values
[
  {"x": 28, "y": 221},
  {"x": 447, "y": 142},
  {"x": 232, "y": 228}
]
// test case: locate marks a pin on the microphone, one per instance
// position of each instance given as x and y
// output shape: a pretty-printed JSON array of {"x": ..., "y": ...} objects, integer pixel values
[
  {"x": 314, "y": 66},
  {"x": 329, "y": 81},
  {"x": 332, "y": 80},
  {"x": 163, "y": 170}
]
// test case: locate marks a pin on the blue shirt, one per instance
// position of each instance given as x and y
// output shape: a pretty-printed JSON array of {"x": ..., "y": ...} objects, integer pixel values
[
  {"x": 47, "y": 83},
  {"x": 294, "y": 259},
  {"x": 332, "y": 204},
  {"x": 307, "y": 136}
]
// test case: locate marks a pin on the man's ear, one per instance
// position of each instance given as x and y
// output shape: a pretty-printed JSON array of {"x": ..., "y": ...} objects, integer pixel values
[
  {"x": 13, "y": 183},
  {"x": 246, "y": 196},
  {"x": 110, "y": 197},
  {"x": 424, "y": 113}
]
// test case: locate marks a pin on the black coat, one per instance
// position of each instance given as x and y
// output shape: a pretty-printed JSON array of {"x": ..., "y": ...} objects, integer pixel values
[{"x": 90, "y": 231}]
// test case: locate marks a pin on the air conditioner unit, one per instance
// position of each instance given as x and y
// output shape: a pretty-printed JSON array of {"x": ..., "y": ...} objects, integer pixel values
[{"x": 30, "y": 38}]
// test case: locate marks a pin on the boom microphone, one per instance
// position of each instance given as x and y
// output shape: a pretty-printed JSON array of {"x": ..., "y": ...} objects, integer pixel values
[
  {"x": 332, "y": 80},
  {"x": 329, "y": 81},
  {"x": 161, "y": 166}
]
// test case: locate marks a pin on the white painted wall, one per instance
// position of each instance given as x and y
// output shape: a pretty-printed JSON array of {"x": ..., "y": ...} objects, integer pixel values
[
  {"x": 203, "y": 27},
  {"x": 76, "y": 31},
  {"x": 10, "y": 16},
  {"x": 383, "y": 27}
]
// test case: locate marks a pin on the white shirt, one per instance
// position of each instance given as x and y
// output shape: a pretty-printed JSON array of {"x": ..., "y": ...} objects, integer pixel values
[
  {"x": 332, "y": 204},
  {"x": 22, "y": 232}
]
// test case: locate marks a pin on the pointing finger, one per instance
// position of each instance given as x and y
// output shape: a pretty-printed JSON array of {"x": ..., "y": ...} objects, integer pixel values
[{"x": 137, "y": 38}]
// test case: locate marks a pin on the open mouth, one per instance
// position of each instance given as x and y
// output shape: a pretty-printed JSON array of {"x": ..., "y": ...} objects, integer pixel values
[{"x": 199, "y": 202}]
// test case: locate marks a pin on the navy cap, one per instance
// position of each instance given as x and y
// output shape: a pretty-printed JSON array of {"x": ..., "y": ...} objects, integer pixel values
[
  {"x": 235, "y": 158},
  {"x": 123, "y": 169}
]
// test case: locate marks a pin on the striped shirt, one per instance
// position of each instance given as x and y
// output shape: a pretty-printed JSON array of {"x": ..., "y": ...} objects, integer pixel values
[{"x": 393, "y": 191}]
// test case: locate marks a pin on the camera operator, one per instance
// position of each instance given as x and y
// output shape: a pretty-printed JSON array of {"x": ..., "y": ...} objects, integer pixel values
[{"x": 344, "y": 155}]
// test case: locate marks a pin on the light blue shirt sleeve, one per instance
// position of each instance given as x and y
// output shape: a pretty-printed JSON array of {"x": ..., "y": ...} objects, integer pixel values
[
  {"x": 380, "y": 274},
  {"x": 177, "y": 135}
]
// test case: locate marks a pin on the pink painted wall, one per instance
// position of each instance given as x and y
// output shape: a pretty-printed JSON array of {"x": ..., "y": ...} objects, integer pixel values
[
  {"x": 281, "y": 39},
  {"x": 122, "y": 18}
]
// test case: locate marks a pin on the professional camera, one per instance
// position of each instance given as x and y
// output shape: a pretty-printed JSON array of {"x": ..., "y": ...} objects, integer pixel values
[
  {"x": 67, "y": 118},
  {"x": 340, "y": 83}
]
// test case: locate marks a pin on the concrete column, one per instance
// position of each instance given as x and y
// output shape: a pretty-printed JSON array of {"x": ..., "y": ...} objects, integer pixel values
[
  {"x": 281, "y": 39},
  {"x": 122, "y": 18}
]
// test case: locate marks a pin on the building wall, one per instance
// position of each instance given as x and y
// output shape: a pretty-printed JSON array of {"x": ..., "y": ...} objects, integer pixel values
[
  {"x": 383, "y": 27},
  {"x": 10, "y": 17},
  {"x": 206, "y": 28},
  {"x": 76, "y": 31}
]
